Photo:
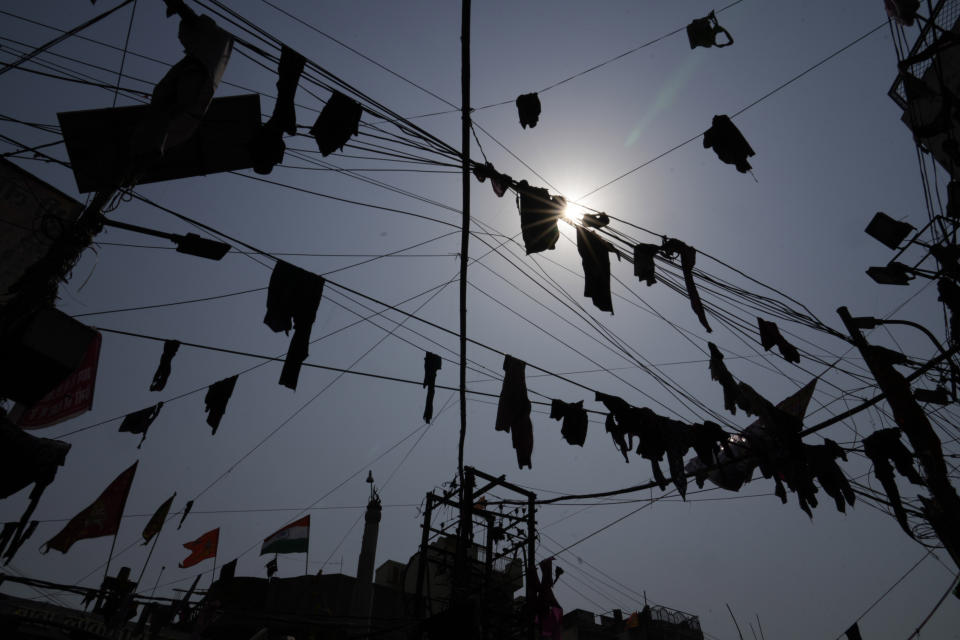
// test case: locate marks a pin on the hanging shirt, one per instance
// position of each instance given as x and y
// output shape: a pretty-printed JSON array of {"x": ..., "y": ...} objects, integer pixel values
[
  {"x": 218, "y": 394},
  {"x": 339, "y": 120},
  {"x": 720, "y": 373},
  {"x": 770, "y": 335},
  {"x": 139, "y": 421},
  {"x": 528, "y": 107},
  {"x": 643, "y": 266},
  {"x": 267, "y": 146},
  {"x": 431, "y": 364},
  {"x": 292, "y": 300},
  {"x": 728, "y": 143},
  {"x": 594, "y": 255},
  {"x": 539, "y": 213},
  {"x": 513, "y": 410},
  {"x": 574, "y": 416},
  {"x": 688, "y": 259},
  {"x": 170, "y": 348}
]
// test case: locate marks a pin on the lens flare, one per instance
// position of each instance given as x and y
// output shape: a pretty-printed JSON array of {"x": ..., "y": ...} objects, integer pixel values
[{"x": 573, "y": 212}]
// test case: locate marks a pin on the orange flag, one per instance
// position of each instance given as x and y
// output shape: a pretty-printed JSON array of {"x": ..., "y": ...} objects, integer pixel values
[
  {"x": 202, "y": 548},
  {"x": 102, "y": 518}
]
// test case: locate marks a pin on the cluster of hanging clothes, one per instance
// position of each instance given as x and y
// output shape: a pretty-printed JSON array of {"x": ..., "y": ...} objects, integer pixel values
[{"x": 771, "y": 443}]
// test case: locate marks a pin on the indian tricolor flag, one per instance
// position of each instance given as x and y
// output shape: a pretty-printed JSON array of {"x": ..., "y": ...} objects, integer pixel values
[{"x": 293, "y": 538}]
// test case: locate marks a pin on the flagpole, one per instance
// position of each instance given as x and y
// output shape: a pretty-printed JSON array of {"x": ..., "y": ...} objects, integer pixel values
[
  {"x": 214, "y": 576},
  {"x": 149, "y": 555},
  {"x": 106, "y": 572},
  {"x": 162, "y": 569}
]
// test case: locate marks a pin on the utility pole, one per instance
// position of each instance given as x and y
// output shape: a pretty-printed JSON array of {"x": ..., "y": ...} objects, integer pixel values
[
  {"x": 942, "y": 510},
  {"x": 465, "y": 227}
]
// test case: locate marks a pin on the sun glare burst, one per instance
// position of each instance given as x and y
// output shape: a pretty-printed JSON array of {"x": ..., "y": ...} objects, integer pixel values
[{"x": 573, "y": 212}]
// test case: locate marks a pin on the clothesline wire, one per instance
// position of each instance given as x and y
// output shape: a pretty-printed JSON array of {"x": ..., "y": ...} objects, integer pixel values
[{"x": 737, "y": 113}]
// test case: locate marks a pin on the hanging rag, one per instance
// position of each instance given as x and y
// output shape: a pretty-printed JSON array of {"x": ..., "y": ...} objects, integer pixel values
[
  {"x": 574, "y": 416},
  {"x": 181, "y": 98},
  {"x": 720, "y": 373},
  {"x": 339, "y": 120},
  {"x": 688, "y": 259},
  {"x": 528, "y": 107},
  {"x": 292, "y": 300},
  {"x": 218, "y": 394},
  {"x": 703, "y": 32},
  {"x": 431, "y": 363},
  {"x": 594, "y": 255},
  {"x": 539, "y": 213},
  {"x": 595, "y": 220},
  {"x": 617, "y": 422},
  {"x": 170, "y": 348},
  {"x": 728, "y": 143},
  {"x": 676, "y": 437},
  {"x": 853, "y": 632},
  {"x": 950, "y": 296},
  {"x": 707, "y": 440},
  {"x": 770, "y": 335},
  {"x": 822, "y": 460},
  {"x": 139, "y": 421},
  {"x": 643, "y": 266},
  {"x": 883, "y": 447},
  {"x": 499, "y": 181},
  {"x": 186, "y": 511},
  {"x": 268, "y": 146},
  {"x": 513, "y": 410}
]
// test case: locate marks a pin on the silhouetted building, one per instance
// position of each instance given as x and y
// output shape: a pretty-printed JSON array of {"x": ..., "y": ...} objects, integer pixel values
[{"x": 651, "y": 623}]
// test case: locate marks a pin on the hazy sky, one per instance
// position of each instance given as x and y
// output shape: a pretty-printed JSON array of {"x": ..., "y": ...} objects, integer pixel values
[{"x": 830, "y": 152}]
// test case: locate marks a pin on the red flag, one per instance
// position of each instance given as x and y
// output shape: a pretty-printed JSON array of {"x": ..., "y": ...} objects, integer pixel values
[
  {"x": 202, "y": 548},
  {"x": 102, "y": 518}
]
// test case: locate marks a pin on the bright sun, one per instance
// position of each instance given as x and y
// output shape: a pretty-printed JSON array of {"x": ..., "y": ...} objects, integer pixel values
[{"x": 574, "y": 212}]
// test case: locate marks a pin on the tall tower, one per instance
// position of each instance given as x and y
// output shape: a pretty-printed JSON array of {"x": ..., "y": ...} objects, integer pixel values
[{"x": 363, "y": 590}]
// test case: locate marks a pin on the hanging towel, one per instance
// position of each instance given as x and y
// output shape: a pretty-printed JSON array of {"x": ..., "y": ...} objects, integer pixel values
[
  {"x": 728, "y": 143},
  {"x": 170, "y": 348},
  {"x": 292, "y": 300},
  {"x": 595, "y": 256},
  {"x": 539, "y": 213},
  {"x": 643, "y": 266},
  {"x": 431, "y": 363},
  {"x": 528, "y": 107},
  {"x": 339, "y": 120},
  {"x": 218, "y": 394},
  {"x": 513, "y": 410}
]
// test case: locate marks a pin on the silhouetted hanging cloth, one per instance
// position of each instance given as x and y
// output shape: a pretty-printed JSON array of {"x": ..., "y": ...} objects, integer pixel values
[
  {"x": 499, "y": 181},
  {"x": 853, "y": 633},
  {"x": 574, "y": 416},
  {"x": 688, "y": 260},
  {"x": 770, "y": 335},
  {"x": 101, "y": 518},
  {"x": 513, "y": 410},
  {"x": 617, "y": 421},
  {"x": 431, "y": 363},
  {"x": 268, "y": 145},
  {"x": 170, "y": 348},
  {"x": 728, "y": 143},
  {"x": 595, "y": 220},
  {"x": 821, "y": 460},
  {"x": 292, "y": 300},
  {"x": 883, "y": 447},
  {"x": 950, "y": 296},
  {"x": 139, "y": 421},
  {"x": 528, "y": 107},
  {"x": 703, "y": 32},
  {"x": 339, "y": 120},
  {"x": 720, "y": 373},
  {"x": 186, "y": 511},
  {"x": 16, "y": 541},
  {"x": 180, "y": 100},
  {"x": 202, "y": 548},
  {"x": 218, "y": 394},
  {"x": 271, "y": 567},
  {"x": 539, "y": 213},
  {"x": 595, "y": 256},
  {"x": 157, "y": 519},
  {"x": 643, "y": 266}
]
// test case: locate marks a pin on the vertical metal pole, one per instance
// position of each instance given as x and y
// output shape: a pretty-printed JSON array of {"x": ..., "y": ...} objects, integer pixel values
[
  {"x": 422, "y": 564},
  {"x": 465, "y": 227},
  {"x": 531, "y": 562}
]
